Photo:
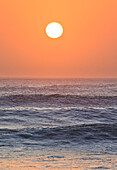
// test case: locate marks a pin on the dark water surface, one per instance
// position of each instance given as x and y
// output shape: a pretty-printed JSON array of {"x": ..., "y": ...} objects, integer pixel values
[{"x": 58, "y": 124}]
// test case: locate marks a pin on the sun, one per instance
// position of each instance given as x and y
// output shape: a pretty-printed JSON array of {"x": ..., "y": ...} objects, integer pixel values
[{"x": 54, "y": 30}]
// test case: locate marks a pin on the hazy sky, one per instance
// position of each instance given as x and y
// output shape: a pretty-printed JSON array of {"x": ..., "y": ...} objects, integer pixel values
[{"x": 88, "y": 47}]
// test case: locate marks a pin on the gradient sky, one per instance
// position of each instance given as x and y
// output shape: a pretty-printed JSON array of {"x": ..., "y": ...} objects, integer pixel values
[{"x": 88, "y": 47}]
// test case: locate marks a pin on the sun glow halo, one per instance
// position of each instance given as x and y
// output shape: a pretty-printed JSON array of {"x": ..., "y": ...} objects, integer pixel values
[{"x": 54, "y": 30}]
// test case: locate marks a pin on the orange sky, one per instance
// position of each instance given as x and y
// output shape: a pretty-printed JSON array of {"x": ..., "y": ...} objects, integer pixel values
[{"x": 88, "y": 47}]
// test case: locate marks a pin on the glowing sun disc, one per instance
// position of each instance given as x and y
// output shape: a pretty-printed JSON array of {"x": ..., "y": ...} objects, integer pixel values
[{"x": 54, "y": 30}]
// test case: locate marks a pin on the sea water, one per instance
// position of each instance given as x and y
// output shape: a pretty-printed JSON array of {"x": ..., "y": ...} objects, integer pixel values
[{"x": 58, "y": 124}]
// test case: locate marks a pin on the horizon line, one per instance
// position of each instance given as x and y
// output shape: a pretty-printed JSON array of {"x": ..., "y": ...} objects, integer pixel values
[{"x": 58, "y": 77}]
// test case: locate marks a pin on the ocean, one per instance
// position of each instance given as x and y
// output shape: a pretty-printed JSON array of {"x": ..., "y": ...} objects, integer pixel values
[{"x": 58, "y": 124}]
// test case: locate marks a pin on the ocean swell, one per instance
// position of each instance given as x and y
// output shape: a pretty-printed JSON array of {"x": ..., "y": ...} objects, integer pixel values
[
  {"x": 66, "y": 134},
  {"x": 58, "y": 99}
]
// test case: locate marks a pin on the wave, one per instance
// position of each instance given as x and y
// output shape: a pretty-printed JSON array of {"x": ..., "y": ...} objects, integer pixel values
[
  {"x": 57, "y": 98},
  {"x": 78, "y": 133}
]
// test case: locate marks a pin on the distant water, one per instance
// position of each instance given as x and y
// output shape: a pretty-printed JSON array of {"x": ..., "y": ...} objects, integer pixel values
[{"x": 59, "y": 124}]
